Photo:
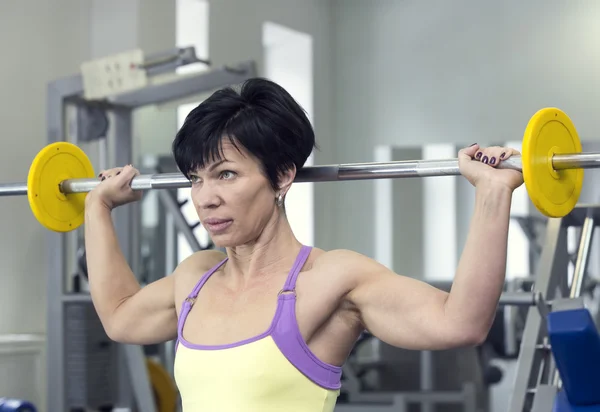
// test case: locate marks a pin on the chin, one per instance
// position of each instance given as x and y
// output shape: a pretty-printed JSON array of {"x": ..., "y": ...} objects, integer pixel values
[{"x": 224, "y": 241}]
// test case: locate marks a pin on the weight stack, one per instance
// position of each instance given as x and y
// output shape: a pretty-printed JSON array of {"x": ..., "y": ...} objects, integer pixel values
[{"x": 90, "y": 375}]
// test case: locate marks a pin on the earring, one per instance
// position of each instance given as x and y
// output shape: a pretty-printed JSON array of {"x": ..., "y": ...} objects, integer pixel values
[{"x": 279, "y": 200}]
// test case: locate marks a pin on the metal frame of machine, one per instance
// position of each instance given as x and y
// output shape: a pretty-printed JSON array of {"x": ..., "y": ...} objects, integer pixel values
[
  {"x": 70, "y": 117},
  {"x": 537, "y": 376}
]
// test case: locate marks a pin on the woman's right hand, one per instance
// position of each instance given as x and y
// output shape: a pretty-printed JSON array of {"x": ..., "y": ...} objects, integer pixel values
[{"x": 115, "y": 188}]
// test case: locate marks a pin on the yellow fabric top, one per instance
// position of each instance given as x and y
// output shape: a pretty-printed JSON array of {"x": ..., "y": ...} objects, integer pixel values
[{"x": 255, "y": 377}]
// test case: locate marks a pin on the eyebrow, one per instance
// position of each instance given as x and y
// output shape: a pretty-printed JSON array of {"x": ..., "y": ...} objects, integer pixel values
[{"x": 215, "y": 165}]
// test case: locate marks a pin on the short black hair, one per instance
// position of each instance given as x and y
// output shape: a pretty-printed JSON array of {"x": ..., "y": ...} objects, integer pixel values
[{"x": 262, "y": 117}]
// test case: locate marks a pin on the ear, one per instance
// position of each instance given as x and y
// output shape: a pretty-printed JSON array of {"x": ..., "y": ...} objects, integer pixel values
[{"x": 286, "y": 179}]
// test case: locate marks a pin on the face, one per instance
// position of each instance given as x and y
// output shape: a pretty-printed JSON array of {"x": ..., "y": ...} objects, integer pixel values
[{"x": 233, "y": 198}]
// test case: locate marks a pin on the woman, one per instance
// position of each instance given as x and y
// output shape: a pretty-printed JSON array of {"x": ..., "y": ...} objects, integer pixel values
[{"x": 267, "y": 326}]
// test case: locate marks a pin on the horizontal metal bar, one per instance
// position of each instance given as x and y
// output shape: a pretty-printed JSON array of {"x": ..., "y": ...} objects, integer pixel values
[
  {"x": 517, "y": 299},
  {"x": 142, "y": 182},
  {"x": 327, "y": 173},
  {"x": 387, "y": 398},
  {"x": 430, "y": 396},
  {"x": 13, "y": 189},
  {"x": 185, "y": 86},
  {"x": 576, "y": 161},
  {"x": 401, "y": 169},
  {"x": 356, "y": 171},
  {"x": 168, "y": 61}
]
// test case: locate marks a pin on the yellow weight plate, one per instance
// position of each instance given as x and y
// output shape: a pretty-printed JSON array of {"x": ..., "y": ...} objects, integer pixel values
[
  {"x": 53, "y": 164},
  {"x": 554, "y": 192},
  {"x": 165, "y": 391}
]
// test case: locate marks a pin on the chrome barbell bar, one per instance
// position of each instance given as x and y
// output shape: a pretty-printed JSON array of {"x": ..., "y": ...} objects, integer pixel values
[{"x": 327, "y": 173}]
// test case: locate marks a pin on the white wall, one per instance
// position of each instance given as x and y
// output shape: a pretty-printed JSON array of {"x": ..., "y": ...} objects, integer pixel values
[
  {"x": 463, "y": 70},
  {"x": 408, "y": 220},
  {"x": 409, "y": 73},
  {"x": 289, "y": 62},
  {"x": 40, "y": 41},
  {"x": 154, "y": 127},
  {"x": 439, "y": 216}
]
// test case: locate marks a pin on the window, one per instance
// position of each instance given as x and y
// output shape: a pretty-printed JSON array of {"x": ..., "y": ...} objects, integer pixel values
[
  {"x": 288, "y": 62},
  {"x": 191, "y": 30}
]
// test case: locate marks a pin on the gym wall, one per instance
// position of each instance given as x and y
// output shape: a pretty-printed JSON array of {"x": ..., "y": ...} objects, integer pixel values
[
  {"x": 41, "y": 42},
  {"x": 409, "y": 73}
]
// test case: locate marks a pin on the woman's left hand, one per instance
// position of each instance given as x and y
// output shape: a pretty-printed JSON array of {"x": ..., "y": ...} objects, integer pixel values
[{"x": 480, "y": 166}]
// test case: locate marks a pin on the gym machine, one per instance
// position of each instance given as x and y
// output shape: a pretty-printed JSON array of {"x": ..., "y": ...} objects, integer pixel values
[
  {"x": 85, "y": 370},
  {"x": 550, "y": 344}
]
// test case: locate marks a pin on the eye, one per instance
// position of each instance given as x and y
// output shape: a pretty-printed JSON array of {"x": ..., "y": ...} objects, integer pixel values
[
  {"x": 227, "y": 174},
  {"x": 194, "y": 179}
]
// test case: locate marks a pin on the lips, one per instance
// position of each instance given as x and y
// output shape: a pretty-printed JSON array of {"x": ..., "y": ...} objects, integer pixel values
[{"x": 216, "y": 225}]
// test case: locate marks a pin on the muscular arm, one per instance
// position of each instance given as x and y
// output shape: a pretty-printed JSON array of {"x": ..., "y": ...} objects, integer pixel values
[
  {"x": 408, "y": 313},
  {"x": 128, "y": 312}
]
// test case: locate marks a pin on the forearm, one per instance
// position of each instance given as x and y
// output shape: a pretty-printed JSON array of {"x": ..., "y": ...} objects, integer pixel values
[
  {"x": 110, "y": 277},
  {"x": 479, "y": 279}
]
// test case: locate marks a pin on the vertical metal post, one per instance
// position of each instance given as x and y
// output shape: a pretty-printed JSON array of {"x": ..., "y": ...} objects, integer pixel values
[
  {"x": 581, "y": 265},
  {"x": 532, "y": 363},
  {"x": 103, "y": 153},
  {"x": 544, "y": 399},
  {"x": 55, "y": 281},
  {"x": 57, "y": 92},
  {"x": 587, "y": 232},
  {"x": 510, "y": 314},
  {"x": 470, "y": 397},
  {"x": 427, "y": 378},
  {"x": 135, "y": 375},
  {"x": 171, "y": 240}
]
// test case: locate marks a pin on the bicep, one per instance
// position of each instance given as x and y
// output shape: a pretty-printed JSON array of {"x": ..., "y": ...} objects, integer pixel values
[
  {"x": 402, "y": 311},
  {"x": 148, "y": 316}
]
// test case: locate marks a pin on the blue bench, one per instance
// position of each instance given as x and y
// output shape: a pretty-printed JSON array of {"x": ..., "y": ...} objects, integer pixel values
[
  {"x": 575, "y": 346},
  {"x": 16, "y": 405}
]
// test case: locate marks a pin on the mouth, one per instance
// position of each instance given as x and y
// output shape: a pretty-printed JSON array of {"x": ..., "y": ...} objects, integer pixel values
[{"x": 216, "y": 225}]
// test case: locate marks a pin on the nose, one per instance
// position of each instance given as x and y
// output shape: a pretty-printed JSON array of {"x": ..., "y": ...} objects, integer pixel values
[{"x": 207, "y": 197}]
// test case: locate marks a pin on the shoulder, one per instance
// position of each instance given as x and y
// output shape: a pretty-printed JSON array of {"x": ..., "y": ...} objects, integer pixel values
[
  {"x": 344, "y": 259},
  {"x": 348, "y": 267},
  {"x": 190, "y": 271},
  {"x": 198, "y": 263}
]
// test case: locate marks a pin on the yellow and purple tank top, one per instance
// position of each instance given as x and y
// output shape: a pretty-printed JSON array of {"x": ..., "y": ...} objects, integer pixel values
[{"x": 274, "y": 371}]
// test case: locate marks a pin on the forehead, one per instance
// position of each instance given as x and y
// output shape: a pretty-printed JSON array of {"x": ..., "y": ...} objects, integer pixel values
[{"x": 232, "y": 152}]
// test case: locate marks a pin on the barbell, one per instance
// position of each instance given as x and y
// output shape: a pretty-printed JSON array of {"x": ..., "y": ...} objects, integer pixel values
[{"x": 551, "y": 162}]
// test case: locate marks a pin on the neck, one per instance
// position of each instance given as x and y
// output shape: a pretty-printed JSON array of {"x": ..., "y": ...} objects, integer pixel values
[{"x": 265, "y": 256}]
